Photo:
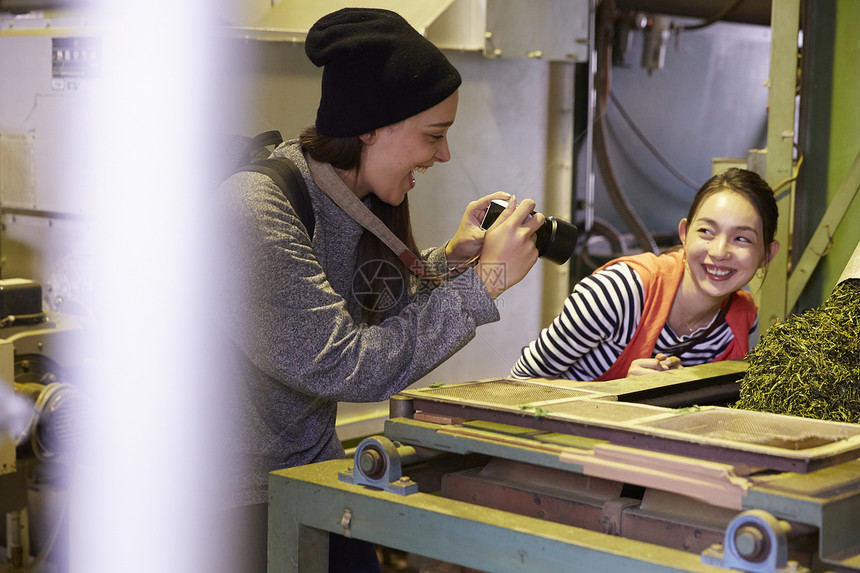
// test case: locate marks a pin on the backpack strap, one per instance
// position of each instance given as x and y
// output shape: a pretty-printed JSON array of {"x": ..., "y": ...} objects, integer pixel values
[
  {"x": 289, "y": 180},
  {"x": 256, "y": 147}
]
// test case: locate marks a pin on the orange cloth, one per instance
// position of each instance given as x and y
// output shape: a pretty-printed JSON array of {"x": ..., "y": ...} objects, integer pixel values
[{"x": 661, "y": 276}]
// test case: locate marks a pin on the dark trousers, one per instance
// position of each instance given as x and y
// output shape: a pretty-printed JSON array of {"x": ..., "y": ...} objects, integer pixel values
[{"x": 245, "y": 542}]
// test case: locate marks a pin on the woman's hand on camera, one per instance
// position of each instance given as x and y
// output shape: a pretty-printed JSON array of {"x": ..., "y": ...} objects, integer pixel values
[
  {"x": 509, "y": 251},
  {"x": 469, "y": 238}
]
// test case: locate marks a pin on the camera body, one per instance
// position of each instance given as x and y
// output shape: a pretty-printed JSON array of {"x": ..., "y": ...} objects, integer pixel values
[{"x": 555, "y": 239}]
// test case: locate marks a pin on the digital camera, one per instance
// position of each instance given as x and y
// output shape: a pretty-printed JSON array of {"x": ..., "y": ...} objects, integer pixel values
[{"x": 555, "y": 239}]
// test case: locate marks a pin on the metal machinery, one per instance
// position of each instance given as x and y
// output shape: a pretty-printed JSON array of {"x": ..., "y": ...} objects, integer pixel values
[
  {"x": 39, "y": 419},
  {"x": 548, "y": 475}
]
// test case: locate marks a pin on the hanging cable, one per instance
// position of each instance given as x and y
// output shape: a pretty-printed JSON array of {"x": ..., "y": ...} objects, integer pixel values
[
  {"x": 779, "y": 186},
  {"x": 660, "y": 157},
  {"x": 634, "y": 223},
  {"x": 709, "y": 21}
]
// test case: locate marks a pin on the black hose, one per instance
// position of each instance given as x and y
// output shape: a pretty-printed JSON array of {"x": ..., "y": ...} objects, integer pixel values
[
  {"x": 644, "y": 238},
  {"x": 712, "y": 20}
]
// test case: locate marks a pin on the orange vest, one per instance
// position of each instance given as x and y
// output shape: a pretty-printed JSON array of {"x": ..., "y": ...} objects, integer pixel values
[{"x": 661, "y": 276}]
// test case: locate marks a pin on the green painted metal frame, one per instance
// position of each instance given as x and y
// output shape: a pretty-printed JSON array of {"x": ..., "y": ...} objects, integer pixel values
[
  {"x": 307, "y": 502},
  {"x": 822, "y": 239},
  {"x": 781, "y": 290},
  {"x": 785, "y": 21},
  {"x": 567, "y": 408}
]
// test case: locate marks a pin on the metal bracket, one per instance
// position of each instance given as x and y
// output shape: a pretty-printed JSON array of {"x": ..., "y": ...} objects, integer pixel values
[
  {"x": 756, "y": 542},
  {"x": 377, "y": 464},
  {"x": 610, "y": 521},
  {"x": 346, "y": 523}
]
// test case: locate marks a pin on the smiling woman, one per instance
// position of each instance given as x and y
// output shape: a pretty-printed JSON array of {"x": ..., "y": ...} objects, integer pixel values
[
  {"x": 647, "y": 313},
  {"x": 725, "y": 242},
  {"x": 393, "y": 154},
  {"x": 341, "y": 315}
]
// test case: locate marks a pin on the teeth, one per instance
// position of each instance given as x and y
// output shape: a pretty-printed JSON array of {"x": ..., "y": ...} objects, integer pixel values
[
  {"x": 718, "y": 272},
  {"x": 420, "y": 170}
]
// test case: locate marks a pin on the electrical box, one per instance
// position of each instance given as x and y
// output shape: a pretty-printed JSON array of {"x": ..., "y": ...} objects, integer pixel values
[
  {"x": 7, "y": 377},
  {"x": 20, "y": 297}
]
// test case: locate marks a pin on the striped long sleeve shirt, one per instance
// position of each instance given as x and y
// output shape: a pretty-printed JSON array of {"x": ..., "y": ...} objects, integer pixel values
[{"x": 595, "y": 325}]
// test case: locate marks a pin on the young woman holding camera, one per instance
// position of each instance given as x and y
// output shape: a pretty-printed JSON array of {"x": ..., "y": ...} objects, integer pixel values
[
  {"x": 333, "y": 317},
  {"x": 645, "y": 313}
]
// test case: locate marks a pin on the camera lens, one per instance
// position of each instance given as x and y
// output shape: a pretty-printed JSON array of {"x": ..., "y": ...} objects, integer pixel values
[{"x": 555, "y": 239}]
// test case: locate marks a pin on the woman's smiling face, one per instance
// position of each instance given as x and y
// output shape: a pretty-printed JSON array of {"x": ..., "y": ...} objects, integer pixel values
[
  {"x": 392, "y": 155},
  {"x": 724, "y": 244}
]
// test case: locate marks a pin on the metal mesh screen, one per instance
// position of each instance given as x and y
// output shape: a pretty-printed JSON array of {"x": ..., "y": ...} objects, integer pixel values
[
  {"x": 754, "y": 428},
  {"x": 604, "y": 410},
  {"x": 502, "y": 392}
]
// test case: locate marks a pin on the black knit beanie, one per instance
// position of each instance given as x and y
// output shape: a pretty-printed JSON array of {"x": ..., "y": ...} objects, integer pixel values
[{"x": 378, "y": 70}]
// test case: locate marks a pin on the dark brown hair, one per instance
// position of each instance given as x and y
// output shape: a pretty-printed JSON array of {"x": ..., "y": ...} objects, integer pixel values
[
  {"x": 345, "y": 153},
  {"x": 749, "y": 185}
]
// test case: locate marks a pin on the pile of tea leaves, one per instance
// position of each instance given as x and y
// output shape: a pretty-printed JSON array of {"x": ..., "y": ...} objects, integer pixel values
[{"x": 809, "y": 364}]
